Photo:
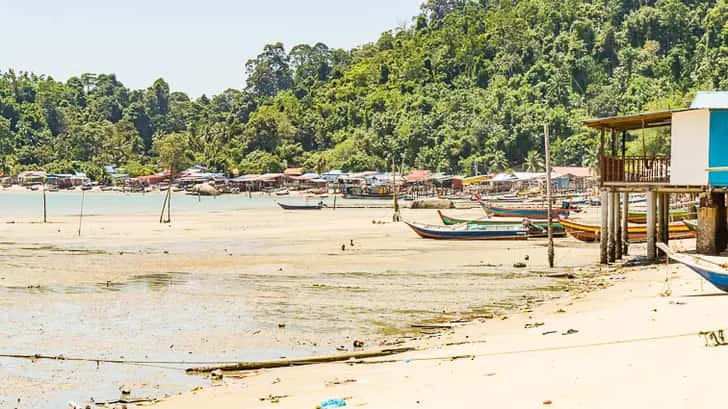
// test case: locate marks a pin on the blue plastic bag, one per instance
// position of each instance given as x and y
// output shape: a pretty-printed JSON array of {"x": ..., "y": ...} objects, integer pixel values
[{"x": 332, "y": 403}]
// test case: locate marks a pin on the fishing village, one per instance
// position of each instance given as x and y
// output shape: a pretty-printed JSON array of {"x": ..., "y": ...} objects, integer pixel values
[{"x": 494, "y": 204}]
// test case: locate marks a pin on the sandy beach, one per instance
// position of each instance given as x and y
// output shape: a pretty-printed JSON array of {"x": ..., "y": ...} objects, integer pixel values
[
  {"x": 636, "y": 347},
  {"x": 254, "y": 284}
]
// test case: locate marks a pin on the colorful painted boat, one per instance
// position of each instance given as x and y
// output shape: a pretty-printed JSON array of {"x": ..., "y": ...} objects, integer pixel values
[
  {"x": 533, "y": 213},
  {"x": 535, "y": 228},
  {"x": 714, "y": 272},
  {"x": 470, "y": 232},
  {"x": 317, "y": 206},
  {"x": 675, "y": 216},
  {"x": 591, "y": 232}
]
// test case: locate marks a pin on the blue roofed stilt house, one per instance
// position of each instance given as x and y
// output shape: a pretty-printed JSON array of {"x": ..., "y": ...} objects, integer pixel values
[{"x": 697, "y": 166}]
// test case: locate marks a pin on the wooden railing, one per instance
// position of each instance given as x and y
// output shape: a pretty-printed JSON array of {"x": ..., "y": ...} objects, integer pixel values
[{"x": 635, "y": 169}]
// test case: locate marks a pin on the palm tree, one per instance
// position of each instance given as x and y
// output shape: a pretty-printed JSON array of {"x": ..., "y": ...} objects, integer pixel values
[
  {"x": 533, "y": 162},
  {"x": 499, "y": 162}
]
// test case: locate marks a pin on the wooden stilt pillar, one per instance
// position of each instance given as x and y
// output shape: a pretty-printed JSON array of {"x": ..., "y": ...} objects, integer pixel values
[
  {"x": 618, "y": 226},
  {"x": 604, "y": 227},
  {"x": 651, "y": 226},
  {"x": 665, "y": 233},
  {"x": 711, "y": 224},
  {"x": 625, "y": 224},
  {"x": 612, "y": 228}
]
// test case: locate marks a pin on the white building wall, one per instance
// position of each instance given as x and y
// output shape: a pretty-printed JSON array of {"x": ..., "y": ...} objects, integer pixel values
[{"x": 689, "y": 147}]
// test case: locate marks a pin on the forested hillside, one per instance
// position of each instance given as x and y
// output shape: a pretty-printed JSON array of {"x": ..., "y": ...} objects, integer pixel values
[{"x": 467, "y": 82}]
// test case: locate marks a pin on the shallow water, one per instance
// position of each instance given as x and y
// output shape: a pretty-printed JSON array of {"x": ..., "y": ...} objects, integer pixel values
[
  {"x": 210, "y": 317},
  {"x": 68, "y": 203}
]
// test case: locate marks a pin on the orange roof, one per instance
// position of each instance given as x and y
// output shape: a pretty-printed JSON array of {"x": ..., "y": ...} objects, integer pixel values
[
  {"x": 578, "y": 171},
  {"x": 293, "y": 172}
]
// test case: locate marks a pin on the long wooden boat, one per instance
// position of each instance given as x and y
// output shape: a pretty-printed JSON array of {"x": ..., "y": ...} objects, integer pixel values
[
  {"x": 535, "y": 228},
  {"x": 675, "y": 216},
  {"x": 714, "y": 272},
  {"x": 535, "y": 213},
  {"x": 470, "y": 232},
  {"x": 317, "y": 206},
  {"x": 591, "y": 232}
]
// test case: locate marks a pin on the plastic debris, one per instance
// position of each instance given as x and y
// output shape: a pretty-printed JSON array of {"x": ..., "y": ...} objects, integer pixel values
[{"x": 332, "y": 403}]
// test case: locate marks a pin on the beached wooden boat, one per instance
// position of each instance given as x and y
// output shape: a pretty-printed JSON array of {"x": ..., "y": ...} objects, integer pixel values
[
  {"x": 591, "y": 232},
  {"x": 534, "y": 213},
  {"x": 675, "y": 216},
  {"x": 713, "y": 271},
  {"x": 535, "y": 228},
  {"x": 317, "y": 206},
  {"x": 470, "y": 232}
]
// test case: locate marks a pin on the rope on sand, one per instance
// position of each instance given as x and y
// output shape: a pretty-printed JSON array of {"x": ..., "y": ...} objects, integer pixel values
[{"x": 712, "y": 338}]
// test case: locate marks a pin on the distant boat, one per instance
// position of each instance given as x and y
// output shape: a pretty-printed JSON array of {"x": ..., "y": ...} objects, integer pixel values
[
  {"x": 317, "y": 206},
  {"x": 591, "y": 232},
  {"x": 470, "y": 232},
  {"x": 536, "y": 213},
  {"x": 281, "y": 192},
  {"x": 675, "y": 216},
  {"x": 715, "y": 273},
  {"x": 535, "y": 228}
]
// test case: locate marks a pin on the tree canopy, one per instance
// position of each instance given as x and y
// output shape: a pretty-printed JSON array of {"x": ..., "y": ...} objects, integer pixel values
[{"x": 466, "y": 87}]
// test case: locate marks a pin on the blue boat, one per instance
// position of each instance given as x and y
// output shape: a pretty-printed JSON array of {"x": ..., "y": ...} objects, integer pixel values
[
  {"x": 470, "y": 232},
  {"x": 317, "y": 206},
  {"x": 712, "y": 271}
]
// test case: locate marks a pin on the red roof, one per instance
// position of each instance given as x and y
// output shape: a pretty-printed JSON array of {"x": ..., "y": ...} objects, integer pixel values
[{"x": 418, "y": 175}]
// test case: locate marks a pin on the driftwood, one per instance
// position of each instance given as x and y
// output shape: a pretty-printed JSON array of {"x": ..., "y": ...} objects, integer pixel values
[
  {"x": 247, "y": 366},
  {"x": 432, "y": 326}
]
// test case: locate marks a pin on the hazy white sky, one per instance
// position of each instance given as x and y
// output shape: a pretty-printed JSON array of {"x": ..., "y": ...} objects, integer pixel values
[{"x": 197, "y": 46}]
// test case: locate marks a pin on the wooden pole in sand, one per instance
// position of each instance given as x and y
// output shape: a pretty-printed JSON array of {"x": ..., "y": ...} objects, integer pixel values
[
  {"x": 548, "y": 195},
  {"x": 45, "y": 208},
  {"x": 169, "y": 195},
  {"x": 80, "y": 216},
  {"x": 395, "y": 216}
]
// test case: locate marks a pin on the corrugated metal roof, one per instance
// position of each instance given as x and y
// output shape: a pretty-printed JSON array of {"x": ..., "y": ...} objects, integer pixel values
[{"x": 710, "y": 100}]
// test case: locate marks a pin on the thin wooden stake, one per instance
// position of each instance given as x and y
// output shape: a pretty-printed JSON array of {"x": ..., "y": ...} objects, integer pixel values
[
  {"x": 80, "y": 217},
  {"x": 45, "y": 207},
  {"x": 548, "y": 195}
]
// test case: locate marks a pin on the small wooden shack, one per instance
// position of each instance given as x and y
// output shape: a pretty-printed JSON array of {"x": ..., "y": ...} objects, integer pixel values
[{"x": 698, "y": 164}]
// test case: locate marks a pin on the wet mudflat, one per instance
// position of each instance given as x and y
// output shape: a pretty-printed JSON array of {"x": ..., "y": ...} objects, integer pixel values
[{"x": 232, "y": 287}]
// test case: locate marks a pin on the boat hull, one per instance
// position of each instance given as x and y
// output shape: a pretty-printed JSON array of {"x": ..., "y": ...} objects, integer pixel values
[
  {"x": 536, "y": 213},
  {"x": 712, "y": 273},
  {"x": 675, "y": 216},
  {"x": 535, "y": 228},
  {"x": 591, "y": 233},
  {"x": 468, "y": 233},
  {"x": 299, "y": 207}
]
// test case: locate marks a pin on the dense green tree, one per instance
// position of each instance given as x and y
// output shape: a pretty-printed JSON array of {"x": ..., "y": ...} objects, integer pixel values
[{"x": 467, "y": 88}]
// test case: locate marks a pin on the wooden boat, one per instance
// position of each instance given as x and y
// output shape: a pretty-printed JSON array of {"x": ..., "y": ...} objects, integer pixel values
[
  {"x": 534, "y": 213},
  {"x": 535, "y": 228},
  {"x": 281, "y": 192},
  {"x": 317, "y": 206},
  {"x": 714, "y": 272},
  {"x": 675, "y": 216},
  {"x": 470, "y": 232},
  {"x": 591, "y": 232}
]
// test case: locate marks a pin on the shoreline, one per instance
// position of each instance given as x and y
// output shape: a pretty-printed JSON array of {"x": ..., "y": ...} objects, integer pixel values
[
  {"x": 493, "y": 359},
  {"x": 229, "y": 279}
]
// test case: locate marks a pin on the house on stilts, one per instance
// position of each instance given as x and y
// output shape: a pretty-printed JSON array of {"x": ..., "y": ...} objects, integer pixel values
[{"x": 697, "y": 164}]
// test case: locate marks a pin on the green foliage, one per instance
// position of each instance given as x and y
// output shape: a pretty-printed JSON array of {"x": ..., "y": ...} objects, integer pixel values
[
  {"x": 466, "y": 88},
  {"x": 173, "y": 151},
  {"x": 259, "y": 162}
]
